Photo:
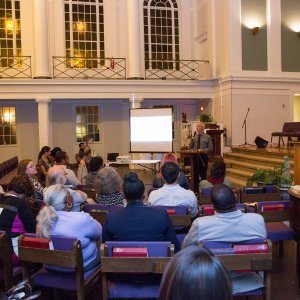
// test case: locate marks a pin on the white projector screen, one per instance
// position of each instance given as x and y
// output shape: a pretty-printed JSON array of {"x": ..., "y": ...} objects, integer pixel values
[{"x": 151, "y": 130}]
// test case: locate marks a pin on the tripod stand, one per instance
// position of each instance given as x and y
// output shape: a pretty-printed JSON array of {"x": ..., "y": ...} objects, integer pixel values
[{"x": 245, "y": 129}]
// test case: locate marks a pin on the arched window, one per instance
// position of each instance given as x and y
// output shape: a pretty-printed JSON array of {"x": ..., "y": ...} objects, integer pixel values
[
  {"x": 84, "y": 26},
  {"x": 161, "y": 33},
  {"x": 10, "y": 31}
]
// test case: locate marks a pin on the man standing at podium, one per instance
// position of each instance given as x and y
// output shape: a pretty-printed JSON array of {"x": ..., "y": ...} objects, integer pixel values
[{"x": 203, "y": 143}]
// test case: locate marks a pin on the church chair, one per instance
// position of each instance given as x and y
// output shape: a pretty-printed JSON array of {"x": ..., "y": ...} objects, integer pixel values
[
  {"x": 99, "y": 212},
  {"x": 275, "y": 214},
  {"x": 137, "y": 272},
  {"x": 259, "y": 193},
  {"x": 9, "y": 273},
  {"x": 89, "y": 190},
  {"x": 181, "y": 218},
  {"x": 208, "y": 209},
  {"x": 64, "y": 269},
  {"x": 204, "y": 195},
  {"x": 254, "y": 256}
]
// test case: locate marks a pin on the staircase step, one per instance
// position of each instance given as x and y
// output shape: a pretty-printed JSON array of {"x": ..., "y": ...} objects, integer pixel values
[
  {"x": 237, "y": 182},
  {"x": 248, "y": 166},
  {"x": 247, "y": 157},
  {"x": 239, "y": 173}
]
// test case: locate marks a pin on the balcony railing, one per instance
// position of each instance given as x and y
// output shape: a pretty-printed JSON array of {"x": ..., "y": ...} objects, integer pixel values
[
  {"x": 15, "y": 67},
  {"x": 88, "y": 68},
  {"x": 173, "y": 69}
]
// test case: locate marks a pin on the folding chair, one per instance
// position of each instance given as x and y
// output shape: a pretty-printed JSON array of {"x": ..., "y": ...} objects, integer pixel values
[
  {"x": 64, "y": 268},
  {"x": 99, "y": 212},
  {"x": 258, "y": 260},
  {"x": 159, "y": 254}
]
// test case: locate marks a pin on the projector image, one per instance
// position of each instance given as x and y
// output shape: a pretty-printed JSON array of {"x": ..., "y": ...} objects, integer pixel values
[{"x": 123, "y": 159}]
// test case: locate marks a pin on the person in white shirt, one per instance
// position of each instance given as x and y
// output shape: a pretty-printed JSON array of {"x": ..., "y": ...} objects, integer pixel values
[{"x": 172, "y": 194}]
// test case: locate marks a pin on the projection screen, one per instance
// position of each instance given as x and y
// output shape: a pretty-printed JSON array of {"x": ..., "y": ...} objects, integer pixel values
[{"x": 151, "y": 130}]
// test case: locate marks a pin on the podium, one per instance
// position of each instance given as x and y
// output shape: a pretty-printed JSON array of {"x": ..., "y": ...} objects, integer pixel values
[{"x": 192, "y": 156}]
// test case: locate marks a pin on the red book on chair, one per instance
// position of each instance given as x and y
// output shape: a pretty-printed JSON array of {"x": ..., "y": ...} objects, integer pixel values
[
  {"x": 208, "y": 210},
  {"x": 272, "y": 207},
  {"x": 171, "y": 211},
  {"x": 130, "y": 252},
  {"x": 254, "y": 248},
  {"x": 35, "y": 243}
]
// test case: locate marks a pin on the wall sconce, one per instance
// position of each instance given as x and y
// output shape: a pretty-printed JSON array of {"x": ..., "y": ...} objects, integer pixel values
[
  {"x": 255, "y": 30},
  {"x": 201, "y": 108}
]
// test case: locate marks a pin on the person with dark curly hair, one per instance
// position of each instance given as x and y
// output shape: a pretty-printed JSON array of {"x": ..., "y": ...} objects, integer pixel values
[
  {"x": 195, "y": 273},
  {"x": 16, "y": 217},
  {"x": 96, "y": 164}
]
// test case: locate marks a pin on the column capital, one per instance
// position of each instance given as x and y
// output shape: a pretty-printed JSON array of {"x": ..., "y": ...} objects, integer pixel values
[{"x": 41, "y": 100}]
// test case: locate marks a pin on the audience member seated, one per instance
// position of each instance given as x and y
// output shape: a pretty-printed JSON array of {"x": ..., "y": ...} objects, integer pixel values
[
  {"x": 16, "y": 217},
  {"x": 194, "y": 273},
  {"x": 87, "y": 156},
  {"x": 217, "y": 175},
  {"x": 158, "y": 181},
  {"x": 57, "y": 175},
  {"x": 172, "y": 194},
  {"x": 53, "y": 153},
  {"x": 108, "y": 185},
  {"x": 138, "y": 222},
  {"x": 26, "y": 167},
  {"x": 96, "y": 164},
  {"x": 57, "y": 218},
  {"x": 44, "y": 162},
  {"x": 80, "y": 154},
  {"x": 229, "y": 225},
  {"x": 62, "y": 159}
]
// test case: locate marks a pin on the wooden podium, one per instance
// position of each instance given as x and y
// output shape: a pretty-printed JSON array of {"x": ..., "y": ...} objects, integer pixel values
[
  {"x": 191, "y": 155},
  {"x": 216, "y": 136}
]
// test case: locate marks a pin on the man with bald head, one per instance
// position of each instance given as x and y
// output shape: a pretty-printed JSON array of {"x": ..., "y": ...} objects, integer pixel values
[
  {"x": 232, "y": 226},
  {"x": 201, "y": 141}
]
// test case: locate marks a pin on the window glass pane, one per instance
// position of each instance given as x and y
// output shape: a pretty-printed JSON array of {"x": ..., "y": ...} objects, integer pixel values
[
  {"x": 87, "y": 123},
  {"x": 84, "y": 33}
]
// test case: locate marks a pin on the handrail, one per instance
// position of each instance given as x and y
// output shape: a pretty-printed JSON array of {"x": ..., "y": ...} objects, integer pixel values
[
  {"x": 65, "y": 67},
  {"x": 15, "y": 67},
  {"x": 173, "y": 69}
]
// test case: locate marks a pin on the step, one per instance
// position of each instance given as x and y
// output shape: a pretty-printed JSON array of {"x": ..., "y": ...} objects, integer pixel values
[
  {"x": 267, "y": 160},
  {"x": 248, "y": 166},
  {"x": 241, "y": 174},
  {"x": 237, "y": 182}
]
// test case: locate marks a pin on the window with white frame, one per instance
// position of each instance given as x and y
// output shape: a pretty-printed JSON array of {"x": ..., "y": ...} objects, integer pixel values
[
  {"x": 87, "y": 123},
  {"x": 161, "y": 34},
  {"x": 10, "y": 32},
  {"x": 8, "y": 134},
  {"x": 84, "y": 30}
]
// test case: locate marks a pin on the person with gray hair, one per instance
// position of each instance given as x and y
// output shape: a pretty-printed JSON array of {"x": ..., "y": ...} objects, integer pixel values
[
  {"x": 57, "y": 218},
  {"x": 57, "y": 175},
  {"x": 107, "y": 185}
]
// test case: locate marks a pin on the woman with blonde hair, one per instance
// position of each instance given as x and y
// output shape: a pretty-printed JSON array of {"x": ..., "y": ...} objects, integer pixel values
[
  {"x": 57, "y": 218},
  {"x": 108, "y": 185},
  {"x": 182, "y": 180},
  {"x": 26, "y": 167}
]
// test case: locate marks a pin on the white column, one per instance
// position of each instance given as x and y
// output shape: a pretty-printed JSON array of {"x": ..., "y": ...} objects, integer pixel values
[
  {"x": 134, "y": 40},
  {"x": 135, "y": 103},
  {"x": 41, "y": 45},
  {"x": 44, "y": 122}
]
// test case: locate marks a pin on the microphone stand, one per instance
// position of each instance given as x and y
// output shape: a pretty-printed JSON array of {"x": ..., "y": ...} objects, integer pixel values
[{"x": 245, "y": 126}]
